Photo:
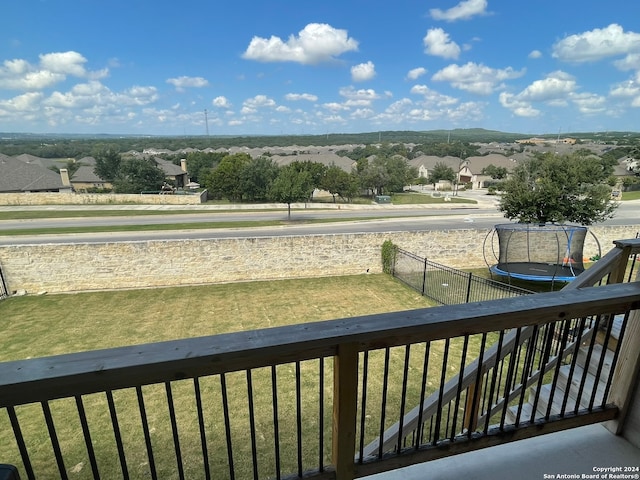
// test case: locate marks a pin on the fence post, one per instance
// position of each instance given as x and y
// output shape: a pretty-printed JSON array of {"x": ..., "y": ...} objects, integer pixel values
[
  {"x": 469, "y": 287},
  {"x": 345, "y": 396},
  {"x": 424, "y": 278}
]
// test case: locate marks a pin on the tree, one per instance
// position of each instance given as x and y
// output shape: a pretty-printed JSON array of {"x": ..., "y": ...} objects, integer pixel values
[
  {"x": 256, "y": 178},
  {"x": 107, "y": 164},
  {"x": 291, "y": 185},
  {"x": 439, "y": 172},
  {"x": 137, "y": 175},
  {"x": 385, "y": 173},
  {"x": 71, "y": 165},
  {"x": 559, "y": 188},
  {"x": 338, "y": 182},
  {"x": 226, "y": 180},
  {"x": 497, "y": 173},
  {"x": 316, "y": 172},
  {"x": 200, "y": 163}
]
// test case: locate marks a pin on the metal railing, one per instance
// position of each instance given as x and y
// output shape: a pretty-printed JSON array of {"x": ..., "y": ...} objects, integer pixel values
[
  {"x": 309, "y": 400},
  {"x": 447, "y": 285},
  {"x": 4, "y": 291}
]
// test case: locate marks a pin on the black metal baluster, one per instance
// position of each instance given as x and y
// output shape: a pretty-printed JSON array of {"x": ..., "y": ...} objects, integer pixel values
[
  {"x": 147, "y": 434},
  {"x": 276, "y": 426},
  {"x": 87, "y": 437},
  {"x": 493, "y": 381},
  {"x": 527, "y": 370},
  {"x": 203, "y": 435},
  {"x": 117, "y": 435},
  {"x": 385, "y": 385},
  {"x": 299, "y": 417},
  {"x": 252, "y": 425},
  {"x": 54, "y": 439},
  {"x": 572, "y": 367},
  {"x": 603, "y": 356},
  {"x": 443, "y": 377},
  {"x": 556, "y": 372},
  {"x": 585, "y": 371},
  {"x": 22, "y": 447},
  {"x": 544, "y": 360},
  {"x": 227, "y": 425},
  {"x": 321, "y": 418},
  {"x": 423, "y": 388},
  {"x": 474, "y": 402},
  {"x": 403, "y": 400},
  {"x": 363, "y": 409},
  {"x": 463, "y": 361},
  {"x": 174, "y": 429}
]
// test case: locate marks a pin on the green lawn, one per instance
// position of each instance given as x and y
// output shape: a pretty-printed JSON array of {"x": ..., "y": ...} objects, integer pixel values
[
  {"x": 55, "y": 324},
  {"x": 631, "y": 195},
  {"x": 425, "y": 199}
]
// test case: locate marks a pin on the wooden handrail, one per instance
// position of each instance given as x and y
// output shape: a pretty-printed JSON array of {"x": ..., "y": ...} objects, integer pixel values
[{"x": 41, "y": 379}]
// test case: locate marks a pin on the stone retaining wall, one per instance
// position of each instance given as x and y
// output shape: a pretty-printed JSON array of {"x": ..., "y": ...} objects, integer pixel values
[
  {"x": 62, "y": 198},
  {"x": 96, "y": 266}
]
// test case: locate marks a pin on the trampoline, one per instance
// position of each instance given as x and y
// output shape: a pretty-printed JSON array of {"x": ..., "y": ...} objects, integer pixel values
[{"x": 538, "y": 253}]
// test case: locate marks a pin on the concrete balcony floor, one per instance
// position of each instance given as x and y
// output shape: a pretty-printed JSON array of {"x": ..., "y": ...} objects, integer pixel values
[{"x": 572, "y": 452}]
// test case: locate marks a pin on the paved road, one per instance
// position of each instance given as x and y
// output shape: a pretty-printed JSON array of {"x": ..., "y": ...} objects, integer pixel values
[{"x": 403, "y": 219}]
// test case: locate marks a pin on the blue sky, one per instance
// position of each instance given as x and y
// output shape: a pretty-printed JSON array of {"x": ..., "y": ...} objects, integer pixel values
[{"x": 302, "y": 67}]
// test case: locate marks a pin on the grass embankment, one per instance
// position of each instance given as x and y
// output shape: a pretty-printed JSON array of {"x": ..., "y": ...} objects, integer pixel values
[{"x": 56, "y": 324}]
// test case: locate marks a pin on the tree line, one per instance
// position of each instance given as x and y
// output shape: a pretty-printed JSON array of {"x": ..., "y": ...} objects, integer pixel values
[{"x": 241, "y": 178}]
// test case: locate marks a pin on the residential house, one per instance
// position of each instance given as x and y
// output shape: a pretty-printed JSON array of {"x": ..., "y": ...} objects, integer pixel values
[
  {"x": 85, "y": 178},
  {"x": 19, "y": 176},
  {"x": 177, "y": 174}
]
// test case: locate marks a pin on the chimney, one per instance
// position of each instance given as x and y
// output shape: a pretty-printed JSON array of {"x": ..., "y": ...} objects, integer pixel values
[
  {"x": 183, "y": 164},
  {"x": 64, "y": 176}
]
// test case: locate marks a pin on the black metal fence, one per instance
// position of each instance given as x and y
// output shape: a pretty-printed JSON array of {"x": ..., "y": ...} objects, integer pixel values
[
  {"x": 447, "y": 285},
  {"x": 4, "y": 292}
]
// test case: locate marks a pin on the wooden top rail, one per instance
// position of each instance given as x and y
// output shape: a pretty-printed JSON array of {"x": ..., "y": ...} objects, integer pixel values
[{"x": 38, "y": 379}]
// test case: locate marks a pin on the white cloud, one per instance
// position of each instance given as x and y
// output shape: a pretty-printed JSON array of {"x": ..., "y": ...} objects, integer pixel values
[
  {"x": 259, "y": 101},
  {"x": 432, "y": 97},
  {"x": 221, "y": 102},
  {"x": 335, "y": 106},
  {"x": 535, "y": 54},
  {"x": 65, "y": 63},
  {"x": 589, "y": 103},
  {"x": 95, "y": 94},
  {"x": 517, "y": 106},
  {"x": 362, "y": 97},
  {"x": 557, "y": 89},
  {"x": 27, "y": 102},
  {"x": 462, "y": 11},
  {"x": 630, "y": 62},
  {"x": 628, "y": 90},
  {"x": 53, "y": 68},
  {"x": 181, "y": 83},
  {"x": 363, "y": 72},
  {"x": 476, "y": 78},
  {"x": 438, "y": 43},
  {"x": 315, "y": 43},
  {"x": 293, "y": 97},
  {"x": 597, "y": 44},
  {"x": 416, "y": 73}
]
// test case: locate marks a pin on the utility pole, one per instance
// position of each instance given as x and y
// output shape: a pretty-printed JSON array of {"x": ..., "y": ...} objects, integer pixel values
[{"x": 206, "y": 121}]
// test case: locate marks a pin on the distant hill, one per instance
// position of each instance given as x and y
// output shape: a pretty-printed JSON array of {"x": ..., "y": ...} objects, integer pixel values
[{"x": 80, "y": 145}]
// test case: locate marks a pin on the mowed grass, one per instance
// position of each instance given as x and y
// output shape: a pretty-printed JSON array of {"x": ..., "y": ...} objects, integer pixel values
[{"x": 54, "y": 324}]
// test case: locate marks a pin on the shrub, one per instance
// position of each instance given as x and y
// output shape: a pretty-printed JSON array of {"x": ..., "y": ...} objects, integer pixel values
[{"x": 389, "y": 250}]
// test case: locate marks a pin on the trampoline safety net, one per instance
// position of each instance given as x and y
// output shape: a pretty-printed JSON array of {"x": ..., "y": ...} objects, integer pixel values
[{"x": 540, "y": 252}]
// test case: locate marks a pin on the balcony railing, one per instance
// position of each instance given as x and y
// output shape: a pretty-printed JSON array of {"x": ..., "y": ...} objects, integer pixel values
[{"x": 336, "y": 399}]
